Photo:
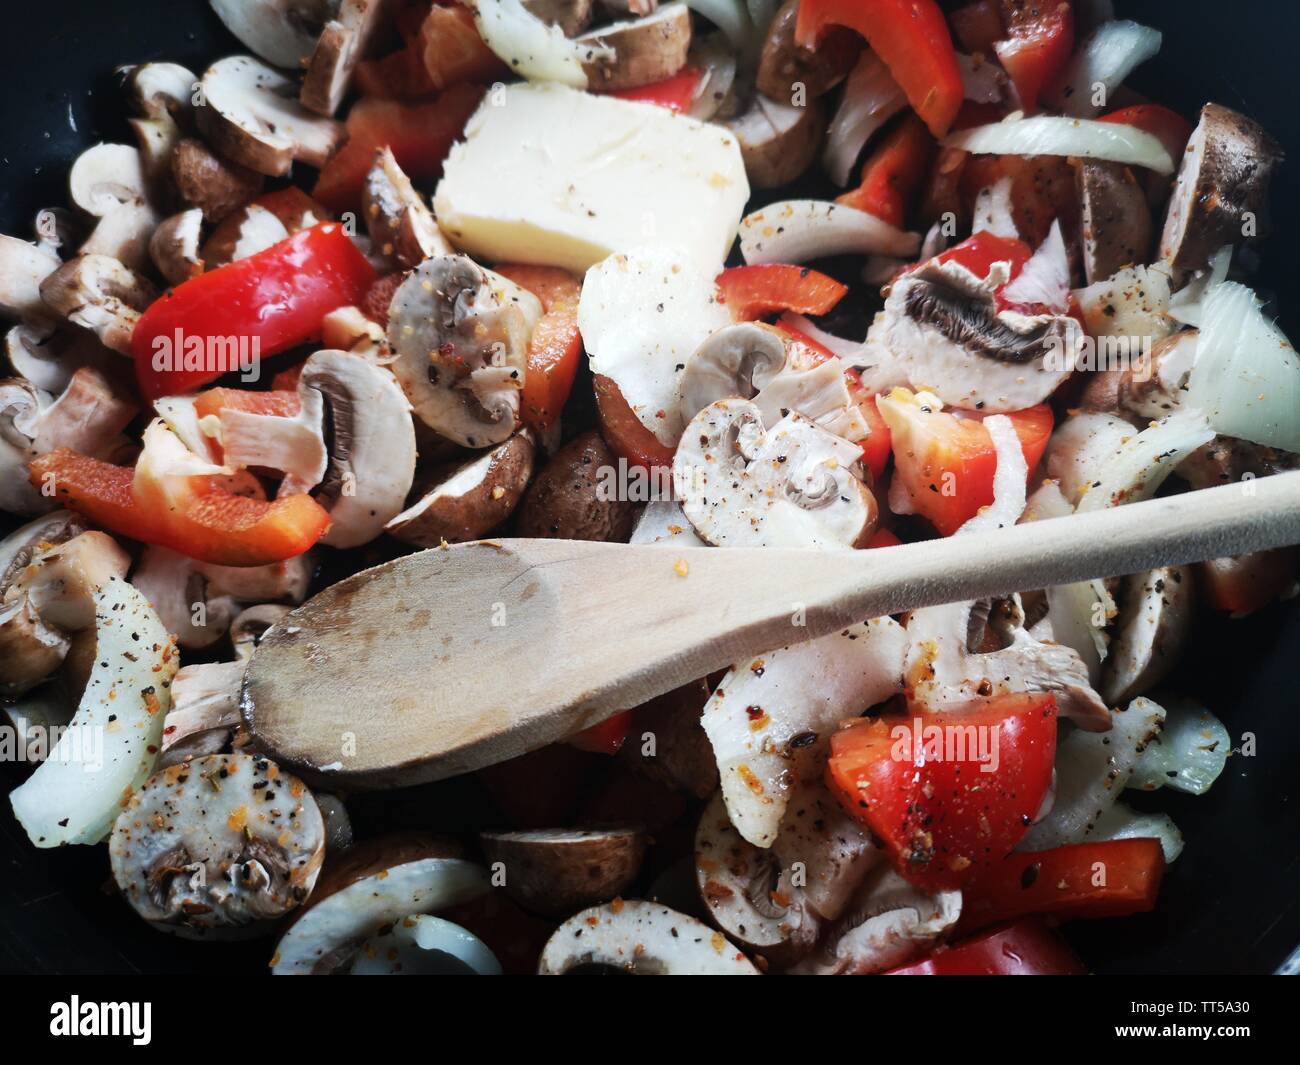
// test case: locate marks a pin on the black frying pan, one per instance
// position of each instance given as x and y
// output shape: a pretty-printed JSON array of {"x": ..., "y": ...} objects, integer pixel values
[{"x": 1229, "y": 905}]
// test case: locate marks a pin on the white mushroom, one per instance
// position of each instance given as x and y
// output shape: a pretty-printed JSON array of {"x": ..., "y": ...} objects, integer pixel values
[
  {"x": 886, "y": 924},
  {"x": 343, "y": 43},
  {"x": 181, "y": 595},
  {"x": 369, "y": 888},
  {"x": 23, "y": 266},
  {"x": 251, "y": 115},
  {"x": 250, "y": 625},
  {"x": 942, "y": 671},
  {"x": 399, "y": 222},
  {"x": 423, "y": 945},
  {"x": 941, "y": 330},
  {"x": 664, "y": 522},
  {"x": 283, "y": 32},
  {"x": 30, "y": 650},
  {"x": 47, "y": 356},
  {"x": 227, "y": 841},
  {"x": 244, "y": 233},
  {"x": 100, "y": 294},
  {"x": 1154, "y": 622},
  {"x": 161, "y": 88},
  {"x": 461, "y": 334},
  {"x": 643, "y": 939},
  {"x": 793, "y": 485},
  {"x": 113, "y": 741},
  {"x": 61, "y": 579},
  {"x": 205, "y": 710},
  {"x": 771, "y": 718},
  {"x": 108, "y": 183},
  {"x": 174, "y": 246}
]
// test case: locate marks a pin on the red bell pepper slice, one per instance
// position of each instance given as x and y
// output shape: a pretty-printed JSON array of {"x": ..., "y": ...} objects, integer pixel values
[
  {"x": 1108, "y": 879},
  {"x": 453, "y": 50},
  {"x": 294, "y": 208},
  {"x": 1026, "y": 948},
  {"x": 259, "y": 306},
  {"x": 751, "y": 292},
  {"x": 883, "y": 538},
  {"x": 894, "y": 172},
  {"x": 1040, "y": 40},
  {"x": 946, "y": 462},
  {"x": 192, "y": 515},
  {"x": 555, "y": 347},
  {"x": 952, "y": 792},
  {"x": 978, "y": 253},
  {"x": 420, "y": 135},
  {"x": 280, "y": 403},
  {"x": 676, "y": 93},
  {"x": 912, "y": 39},
  {"x": 623, "y": 430},
  {"x": 606, "y": 738}
]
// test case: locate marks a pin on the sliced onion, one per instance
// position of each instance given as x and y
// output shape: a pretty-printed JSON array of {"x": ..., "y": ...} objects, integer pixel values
[
  {"x": 992, "y": 213},
  {"x": 1052, "y": 135},
  {"x": 530, "y": 47},
  {"x": 795, "y": 231},
  {"x": 731, "y": 17},
  {"x": 1008, "y": 479},
  {"x": 871, "y": 98},
  {"x": 1092, "y": 768},
  {"x": 1045, "y": 278},
  {"x": 1247, "y": 375},
  {"x": 1186, "y": 305},
  {"x": 1082, "y": 446},
  {"x": 841, "y": 346},
  {"x": 717, "y": 62},
  {"x": 1141, "y": 465},
  {"x": 1189, "y": 754},
  {"x": 1103, "y": 61},
  {"x": 1122, "y": 822}
]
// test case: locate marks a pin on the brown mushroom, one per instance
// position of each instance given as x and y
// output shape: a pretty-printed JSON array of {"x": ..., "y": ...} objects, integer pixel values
[
  {"x": 211, "y": 183},
  {"x": 99, "y": 294},
  {"x": 399, "y": 222},
  {"x": 786, "y": 66},
  {"x": 557, "y": 871},
  {"x": 778, "y": 141},
  {"x": 572, "y": 16},
  {"x": 571, "y": 498},
  {"x": 645, "y": 50},
  {"x": 1116, "y": 220},
  {"x": 342, "y": 44}
]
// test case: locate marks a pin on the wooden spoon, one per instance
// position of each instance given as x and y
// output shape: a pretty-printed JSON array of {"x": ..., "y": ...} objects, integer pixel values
[{"x": 449, "y": 660}]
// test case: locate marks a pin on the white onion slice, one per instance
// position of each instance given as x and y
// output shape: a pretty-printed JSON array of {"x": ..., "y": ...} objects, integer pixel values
[
  {"x": 1008, "y": 479},
  {"x": 871, "y": 98},
  {"x": 1123, "y": 822},
  {"x": 1141, "y": 465},
  {"x": 731, "y": 17},
  {"x": 1082, "y": 446},
  {"x": 992, "y": 213},
  {"x": 1100, "y": 66},
  {"x": 795, "y": 231},
  {"x": 530, "y": 47},
  {"x": 717, "y": 62},
  {"x": 1187, "y": 304},
  {"x": 1190, "y": 753},
  {"x": 1045, "y": 278},
  {"x": 1247, "y": 376},
  {"x": 1052, "y": 135},
  {"x": 840, "y": 346}
]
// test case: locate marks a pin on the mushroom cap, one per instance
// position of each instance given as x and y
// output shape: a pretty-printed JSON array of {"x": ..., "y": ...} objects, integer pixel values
[
  {"x": 48, "y": 356},
  {"x": 30, "y": 650},
  {"x": 182, "y": 596},
  {"x": 471, "y": 501},
  {"x": 793, "y": 485},
  {"x": 174, "y": 246},
  {"x": 398, "y": 220},
  {"x": 283, "y": 32},
  {"x": 555, "y": 872},
  {"x": 1154, "y": 622},
  {"x": 371, "y": 445},
  {"x": 643, "y": 939},
  {"x": 214, "y": 185},
  {"x": 250, "y": 625},
  {"x": 778, "y": 141},
  {"x": 23, "y": 266},
  {"x": 638, "y": 51},
  {"x": 749, "y": 893},
  {"x": 461, "y": 335},
  {"x": 571, "y": 498},
  {"x": 107, "y": 177},
  {"x": 1116, "y": 221},
  {"x": 161, "y": 88},
  {"x": 251, "y": 116},
  {"x": 736, "y": 360},
  {"x": 342, "y": 44},
  {"x": 225, "y": 841},
  {"x": 62, "y": 578},
  {"x": 99, "y": 294},
  {"x": 423, "y": 945}
]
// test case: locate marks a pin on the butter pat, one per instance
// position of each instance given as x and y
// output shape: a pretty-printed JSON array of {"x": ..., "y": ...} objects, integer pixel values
[{"x": 552, "y": 175}]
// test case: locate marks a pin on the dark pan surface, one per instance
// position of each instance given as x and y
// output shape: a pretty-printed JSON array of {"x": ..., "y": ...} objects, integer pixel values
[{"x": 1230, "y": 904}]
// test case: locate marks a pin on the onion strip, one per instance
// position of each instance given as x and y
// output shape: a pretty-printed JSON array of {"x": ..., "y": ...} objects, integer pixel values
[{"x": 1053, "y": 135}]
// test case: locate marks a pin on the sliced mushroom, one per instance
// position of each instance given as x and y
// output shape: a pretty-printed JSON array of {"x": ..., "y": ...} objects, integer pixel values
[
  {"x": 1221, "y": 193},
  {"x": 108, "y": 183},
  {"x": 575, "y": 496},
  {"x": 250, "y": 625},
  {"x": 941, "y": 329},
  {"x": 174, "y": 246},
  {"x": 571, "y": 16},
  {"x": 23, "y": 266},
  {"x": 205, "y": 711},
  {"x": 99, "y": 294},
  {"x": 368, "y": 888},
  {"x": 771, "y": 718},
  {"x": 210, "y": 183},
  {"x": 557, "y": 871},
  {"x": 749, "y": 894},
  {"x": 251, "y": 116},
  {"x": 30, "y": 650},
  {"x": 1154, "y": 622},
  {"x": 943, "y": 671},
  {"x": 399, "y": 221},
  {"x": 461, "y": 334},
  {"x": 1155, "y": 386},
  {"x": 227, "y": 841},
  {"x": 244, "y": 233},
  {"x": 1116, "y": 221},
  {"x": 283, "y": 32},
  {"x": 371, "y": 445},
  {"x": 792, "y": 485},
  {"x": 22, "y": 546},
  {"x": 423, "y": 945},
  {"x": 183, "y": 597},
  {"x": 161, "y": 88},
  {"x": 778, "y": 141},
  {"x": 471, "y": 501},
  {"x": 58, "y": 230},
  {"x": 644, "y": 50},
  {"x": 61, "y": 579},
  {"x": 156, "y": 139},
  {"x": 348, "y": 329},
  {"x": 343, "y": 43},
  {"x": 664, "y": 522},
  {"x": 285, "y": 581},
  {"x": 888, "y": 923},
  {"x": 1133, "y": 303},
  {"x": 47, "y": 356},
  {"x": 786, "y": 66},
  {"x": 21, "y": 407},
  {"x": 641, "y": 939}
]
